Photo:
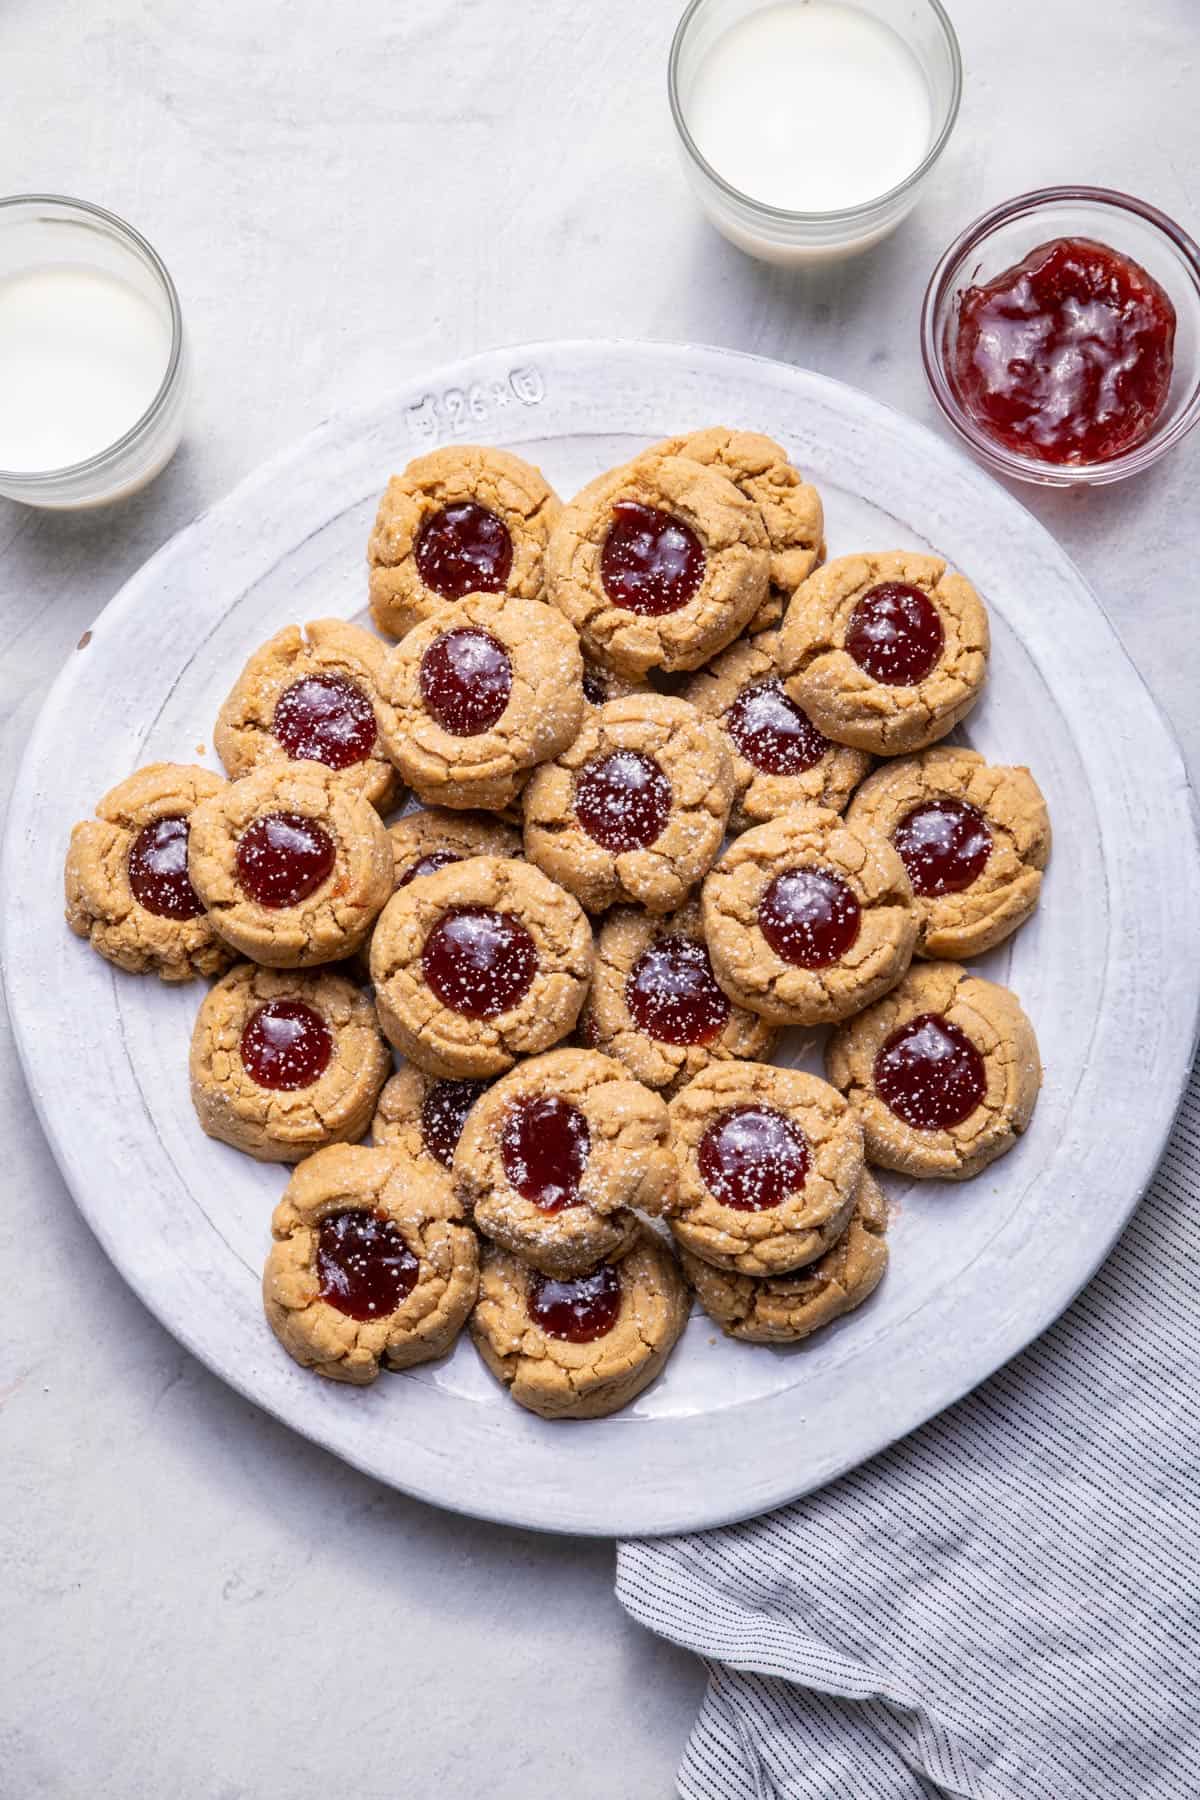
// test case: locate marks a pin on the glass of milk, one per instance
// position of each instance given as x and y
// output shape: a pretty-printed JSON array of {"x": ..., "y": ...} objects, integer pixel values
[
  {"x": 808, "y": 127},
  {"x": 92, "y": 362}
]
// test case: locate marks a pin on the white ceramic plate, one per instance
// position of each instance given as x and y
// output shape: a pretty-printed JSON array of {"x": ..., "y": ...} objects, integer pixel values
[{"x": 977, "y": 1271}]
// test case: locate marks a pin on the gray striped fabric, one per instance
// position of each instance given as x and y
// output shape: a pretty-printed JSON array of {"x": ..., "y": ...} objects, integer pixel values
[{"x": 1005, "y": 1606}]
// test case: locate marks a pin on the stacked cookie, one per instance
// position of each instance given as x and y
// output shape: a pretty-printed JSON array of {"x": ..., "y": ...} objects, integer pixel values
[{"x": 639, "y": 729}]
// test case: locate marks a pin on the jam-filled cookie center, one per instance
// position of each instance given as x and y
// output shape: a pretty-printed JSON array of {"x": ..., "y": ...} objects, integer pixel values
[
  {"x": 944, "y": 845},
  {"x": 544, "y": 1147},
  {"x": 896, "y": 634},
  {"x": 282, "y": 858},
  {"x": 672, "y": 993},
  {"x": 478, "y": 962},
  {"x": 623, "y": 801},
  {"x": 752, "y": 1158},
  {"x": 466, "y": 680},
  {"x": 652, "y": 563},
  {"x": 930, "y": 1074},
  {"x": 285, "y": 1045},
  {"x": 809, "y": 917},
  {"x": 464, "y": 549},
  {"x": 364, "y": 1267},
  {"x": 326, "y": 719},
  {"x": 577, "y": 1311},
  {"x": 158, "y": 870},
  {"x": 773, "y": 734},
  {"x": 444, "y": 1113},
  {"x": 428, "y": 865}
]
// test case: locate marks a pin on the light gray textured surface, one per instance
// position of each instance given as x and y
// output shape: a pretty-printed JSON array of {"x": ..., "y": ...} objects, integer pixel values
[{"x": 198, "y": 1602}]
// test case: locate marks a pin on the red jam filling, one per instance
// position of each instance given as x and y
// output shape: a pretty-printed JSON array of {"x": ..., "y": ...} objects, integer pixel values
[
  {"x": 930, "y": 1074},
  {"x": 672, "y": 994},
  {"x": 444, "y": 1113},
  {"x": 752, "y": 1158},
  {"x": 773, "y": 733},
  {"x": 651, "y": 563},
  {"x": 464, "y": 549},
  {"x": 622, "y": 800},
  {"x": 466, "y": 679},
  {"x": 1067, "y": 356},
  {"x": 325, "y": 719},
  {"x": 285, "y": 1045},
  {"x": 944, "y": 845},
  {"x": 577, "y": 1311},
  {"x": 544, "y": 1146},
  {"x": 478, "y": 962},
  {"x": 364, "y": 1267},
  {"x": 428, "y": 865},
  {"x": 282, "y": 858},
  {"x": 809, "y": 917},
  {"x": 158, "y": 870},
  {"x": 895, "y": 634}
]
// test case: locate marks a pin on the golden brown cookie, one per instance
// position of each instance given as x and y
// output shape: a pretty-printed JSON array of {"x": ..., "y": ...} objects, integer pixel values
[
  {"x": 291, "y": 864},
  {"x": 480, "y": 963},
  {"x": 808, "y": 919},
  {"x": 658, "y": 564},
  {"x": 432, "y": 839},
  {"x": 286, "y": 1062},
  {"x": 311, "y": 696},
  {"x": 781, "y": 1309},
  {"x": 579, "y": 1349},
  {"x": 769, "y": 1163},
  {"x": 422, "y": 1116},
  {"x": 461, "y": 520},
  {"x": 791, "y": 510},
  {"x": 779, "y": 757},
  {"x": 974, "y": 839},
  {"x": 372, "y": 1266},
  {"x": 555, "y": 1154},
  {"x": 885, "y": 651},
  {"x": 655, "y": 1002},
  {"x": 943, "y": 1071},
  {"x": 477, "y": 695},
  {"x": 635, "y": 808},
  {"x": 126, "y": 879}
]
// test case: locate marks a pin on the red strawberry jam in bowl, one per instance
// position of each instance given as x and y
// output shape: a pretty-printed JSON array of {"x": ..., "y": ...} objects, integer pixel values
[{"x": 1061, "y": 336}]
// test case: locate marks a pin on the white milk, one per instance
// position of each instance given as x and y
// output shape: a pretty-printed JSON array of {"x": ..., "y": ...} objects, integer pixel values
[
  {"x": 82, "y": 355},
  {"x": 811, "y": 106}
]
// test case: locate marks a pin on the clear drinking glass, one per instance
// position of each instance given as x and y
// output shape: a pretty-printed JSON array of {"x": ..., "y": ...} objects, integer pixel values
[{"x": 792, "y": 238}]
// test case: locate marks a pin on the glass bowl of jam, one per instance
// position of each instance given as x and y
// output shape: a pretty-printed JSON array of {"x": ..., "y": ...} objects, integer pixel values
[{"x": 1061, "y": 336}]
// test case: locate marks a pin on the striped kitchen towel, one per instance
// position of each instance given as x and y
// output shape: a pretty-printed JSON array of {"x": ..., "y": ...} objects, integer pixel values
[{"x": 1005, "y": 1606}]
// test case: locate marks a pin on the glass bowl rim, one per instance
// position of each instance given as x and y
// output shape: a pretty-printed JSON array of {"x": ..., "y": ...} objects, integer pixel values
[
  {"x": 102, "y": 459},
  {"x": 937, "y": 294},
  {"x": 785, "y": 215}
]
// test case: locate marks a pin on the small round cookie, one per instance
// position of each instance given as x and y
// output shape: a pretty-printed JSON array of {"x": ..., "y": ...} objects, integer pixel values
[
  {"x": 658, "y": 564},
  {"x": 461, "y": 520},
  {"x": 655, "y": 1002},
  {"x": 372, "y": 1266},
  {"x": 126, "y": 877},
  {"x": 422, "y": 1117},
  {"x": 423, "y": 842},
  {"x": 973, "y": 838},
  {"x": 635, "y": 808},
  {"x": 943, "y": 1071},
  {"x": 311, "y": 696},
  {"x": 283, "y": 1063},
  {"x": 782, "y": 1309},
  {"x": 791, "y": 510},
  {"x": 885, "y": 651},
  {"x": 769, "y": 1163},
  {"x": 478, "y": 964},
  {"x": 808, "y": 919},
  {"x": 579, "y": 1349},
  {"x": 779, "y": 757},
  {"x": 478, "y": 694},
  {"x": 553, "y": 1157},
  {"x": 292, "y": 865}
]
